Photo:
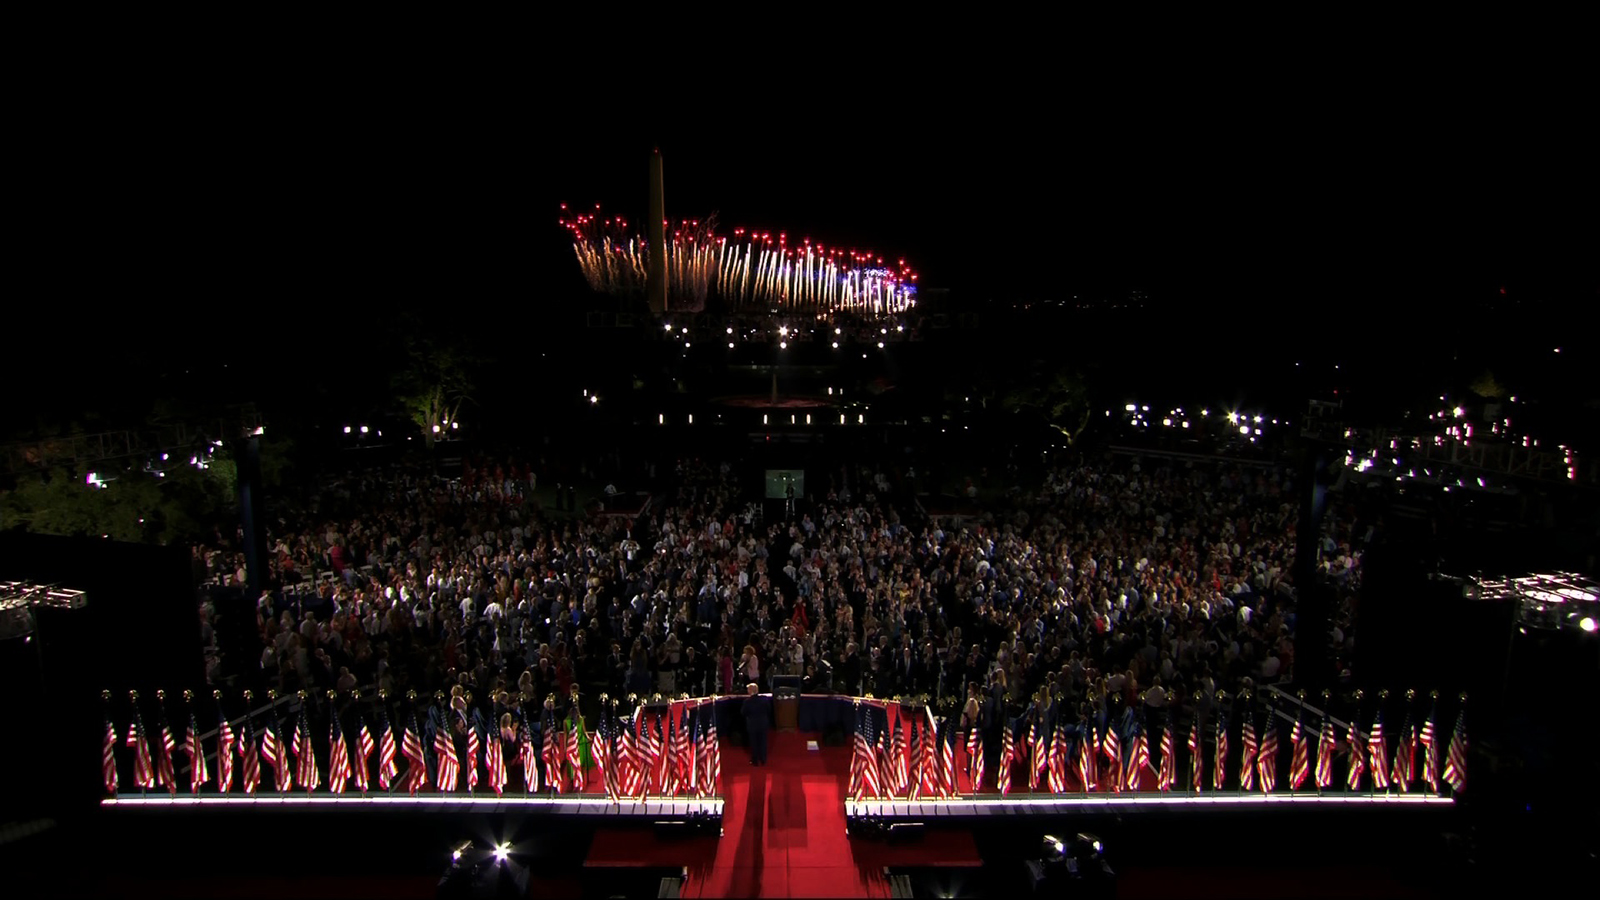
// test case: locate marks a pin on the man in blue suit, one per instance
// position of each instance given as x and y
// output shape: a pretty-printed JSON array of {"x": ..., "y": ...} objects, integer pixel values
[{"x": 757, "y": 721}]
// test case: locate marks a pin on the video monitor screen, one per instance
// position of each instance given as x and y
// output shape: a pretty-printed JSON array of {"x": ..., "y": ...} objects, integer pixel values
[{"x": 779, "y": 480}]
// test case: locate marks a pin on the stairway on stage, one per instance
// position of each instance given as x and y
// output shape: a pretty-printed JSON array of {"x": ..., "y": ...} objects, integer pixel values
[{"x": 783, "y": 833}]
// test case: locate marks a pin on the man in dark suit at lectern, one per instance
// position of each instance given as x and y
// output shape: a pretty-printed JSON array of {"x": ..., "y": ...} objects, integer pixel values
[{"x": 757, "y": 721}]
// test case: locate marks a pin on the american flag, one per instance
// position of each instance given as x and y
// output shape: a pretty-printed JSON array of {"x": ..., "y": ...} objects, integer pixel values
[
  {"x": 224, "y": 753},
  {"x": 677, "y": 735},
  {"x": 655, "y": 753},
  {"x": 575, "y": 741},
  {"x": 196, "y": 751},
  {"x": 1327, "y": 743},
  {"x": 305, "y": 754},
  {"x": 1139, "y": 760},
  {"x": 164, "y": 767},
  {"x": 948, "y": 758},
  {"x": 552, "y": 752},
  {"x": 338, "y": 755},
  {"x": 880, "y": 763},
  {"x": 1085, "y": 753},
  {"x": 1430, "y": 751},
  {"x": 144, "y": 772},
  {"x": 664, "y": 746},
  {"x": 412, "y": 749},
  {"x": 474, "y": 753},
  {"x": 108, "y": 758},
  {"x": 1300, "y": 762},
  {"x": 1357, "y": 761},
  {"x": 1378, "y": 750},
  {"x": 704, "y": 717},
  {"x": 691, "y": 753},
  {"x": 1008, "y": 752},
  {"x": 607, "y": 754},
  {"x": 1169, "y": 764},
  {"x": 364, "y": 748},
  {"x": 496, "y": 763},
  {"x": 1038, "y": 746},
  {"x": 975, "y": 758},
  {"x": 713, "y": 752},
  {"x": 628, "y": 755},
  {"x": 1405, "y": 755},
  {"x": 1219, "y": 773},
  {"x": 1058, "y": 758},
  {"x": 526, "y": 752},
  {"x": 1455, "y": 761},
  {"x": 249, "y": 757},
  {"x": 1111, "y": 748},
  {"x": 928, "y": 775},
  {"x": 859, "y": 748},
  {"x": 901, "y": 775},
  {"x": 1196, "y": 755},
  {"x": 870, "y": 784},
  {"x": 1267, "y": 759},
  {"x": 276, "y": 754},
  {"x": 386, "y": 748},
  {"x": 1247, "y": 765},
  {"x": 919, "y": 759},
  {"x": 447, "y": 762}
]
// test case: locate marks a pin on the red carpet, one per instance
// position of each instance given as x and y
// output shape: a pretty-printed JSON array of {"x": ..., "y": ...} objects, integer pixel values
[
  {"x": 783, "y": 833},
  {"x": 784, "y": 828}
]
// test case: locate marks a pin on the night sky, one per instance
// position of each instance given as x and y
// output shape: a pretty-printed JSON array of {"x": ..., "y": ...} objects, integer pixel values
[{"x": 284, "y": 232}]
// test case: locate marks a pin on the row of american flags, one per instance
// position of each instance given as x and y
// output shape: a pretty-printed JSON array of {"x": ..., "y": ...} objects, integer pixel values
[
  {"x": 906, "y": 752},
  {"x": 670, "y": 750}
]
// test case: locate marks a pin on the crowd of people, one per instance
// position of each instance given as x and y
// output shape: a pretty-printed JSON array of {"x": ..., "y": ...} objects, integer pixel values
[{"x": 1110, "y": 581}]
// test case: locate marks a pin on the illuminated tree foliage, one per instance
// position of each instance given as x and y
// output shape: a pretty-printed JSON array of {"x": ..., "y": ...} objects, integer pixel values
[
  {"x": 432, "y": 387},
  {"x": 1055, "y": 396}
]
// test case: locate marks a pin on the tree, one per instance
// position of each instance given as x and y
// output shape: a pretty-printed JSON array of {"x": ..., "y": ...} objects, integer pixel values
[
  {"x": 433, "y": 386},
  {"x": 134, "y": 506},
  {"x": 1487, "y": 387},
  {"x": 1056, "y": 396}
]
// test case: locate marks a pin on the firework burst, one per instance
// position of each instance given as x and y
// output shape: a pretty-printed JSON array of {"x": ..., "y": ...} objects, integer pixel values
[{"x": 752, "y": 269}]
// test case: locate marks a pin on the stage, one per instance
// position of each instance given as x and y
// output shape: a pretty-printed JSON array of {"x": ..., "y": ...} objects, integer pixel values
[
  {"x": 787, "y": 829},
  {"x": 598, "y": 806},
  {"x": 989, "y": 806}
]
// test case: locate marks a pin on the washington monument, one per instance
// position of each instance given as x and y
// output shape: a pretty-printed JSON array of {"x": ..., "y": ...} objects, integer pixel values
[{"x": 656, "y": 234}]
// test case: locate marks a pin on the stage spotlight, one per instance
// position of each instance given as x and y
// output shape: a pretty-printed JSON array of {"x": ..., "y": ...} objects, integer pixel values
[
  {"x": 502, "y": 852},
  {"x": 1587, "y": 624},
  {"x": 1089, "y": 846},
  {"x": 459, "y": 850},
  {"x": 1054, "y": 849}
]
